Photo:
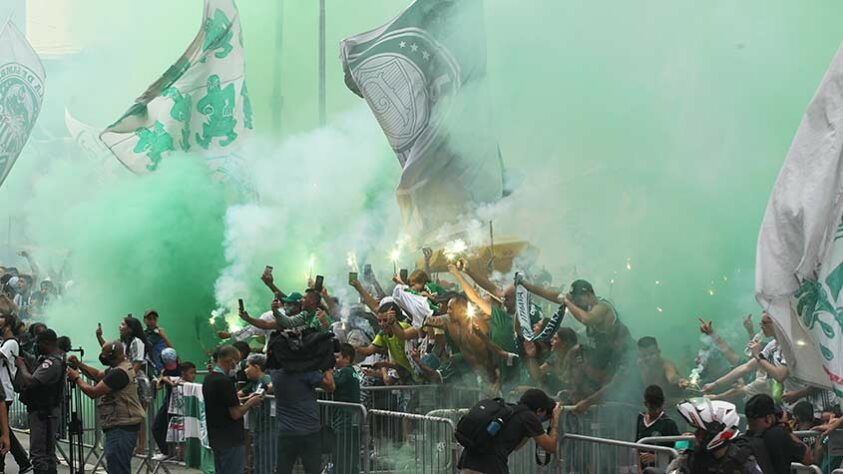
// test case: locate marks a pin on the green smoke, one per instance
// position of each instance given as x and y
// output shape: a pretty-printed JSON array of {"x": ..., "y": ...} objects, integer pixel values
[{"x": 646, "y": 133}]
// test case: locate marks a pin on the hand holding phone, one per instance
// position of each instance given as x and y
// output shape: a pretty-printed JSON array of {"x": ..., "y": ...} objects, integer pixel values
[
  {"x": 403, "y": 275},
  {"x": 240, "y": 304},
  {"x": 352, "y": 277},
  {"x": 320, "y": 280}
]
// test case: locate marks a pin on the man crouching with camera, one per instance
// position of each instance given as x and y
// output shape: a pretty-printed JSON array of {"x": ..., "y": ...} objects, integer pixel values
[
  {"x": 120, "y": 410},
  {"x": 42, "y": 395}
]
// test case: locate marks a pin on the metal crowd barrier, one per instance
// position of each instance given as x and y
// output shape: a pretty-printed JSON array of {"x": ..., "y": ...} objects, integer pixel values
[
  {"x": 615, "y": 456},
  {"x": 407, "y": 442}
]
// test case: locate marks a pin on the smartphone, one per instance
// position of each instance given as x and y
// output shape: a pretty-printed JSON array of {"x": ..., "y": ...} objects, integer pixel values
[
  {"x": 240, "y": 304},
  {"x": 267, "y": 270},
  {"x": 352, "y": 277},
  {"x": 259, "y": 391},
  {"x": 99, "y": 326},
  {"x": 403, "y": 274},
  {"x": 367, "y": 269},
  {"x": 319, "y": 281}
]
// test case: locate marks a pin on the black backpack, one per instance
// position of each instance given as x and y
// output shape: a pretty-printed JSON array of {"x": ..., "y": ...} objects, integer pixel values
[
  {"x": 302, "y": 351},
  {"x": 473, "y": 428}
]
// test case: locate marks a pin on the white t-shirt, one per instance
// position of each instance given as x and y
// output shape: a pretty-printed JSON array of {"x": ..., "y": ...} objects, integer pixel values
[
  {"x": 9, "y": 350},
  {"x": 136, "y": 352}
]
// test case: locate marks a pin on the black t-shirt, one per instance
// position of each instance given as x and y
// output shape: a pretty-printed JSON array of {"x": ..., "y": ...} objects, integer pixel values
[
  {"x": 523, "y": 424},
  {"x": 662, "y": 426},
  {"x": 781, "y": 448},
  {"x": 115, "y": 379},
  {"x": 220, "y": 394}
]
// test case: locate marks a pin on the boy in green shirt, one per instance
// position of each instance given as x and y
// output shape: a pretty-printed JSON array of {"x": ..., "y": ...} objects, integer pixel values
[
  {"x": 260, "y": 420},
  {"x": 345, "y": 422}
]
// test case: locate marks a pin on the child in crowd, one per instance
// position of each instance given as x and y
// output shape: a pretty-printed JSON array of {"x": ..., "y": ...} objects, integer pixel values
[
  {"x": 654, "y": 422},
  {"x": 259, "y": 419},
  {"x": 175, "y": 426}
]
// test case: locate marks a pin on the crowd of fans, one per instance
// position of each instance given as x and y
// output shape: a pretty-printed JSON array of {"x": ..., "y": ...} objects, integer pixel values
[{"x": 465, "y": 329}]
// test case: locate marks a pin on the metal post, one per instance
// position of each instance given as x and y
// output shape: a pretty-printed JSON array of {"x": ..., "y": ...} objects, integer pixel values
[
  {"x": 277, "y": 98},
  {"x": 322, "y": 63}
]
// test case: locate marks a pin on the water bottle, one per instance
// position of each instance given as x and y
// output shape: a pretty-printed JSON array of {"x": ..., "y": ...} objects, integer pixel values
[
  {"x": 756, "y": 338},
  {"x": 494, "y": 426}
]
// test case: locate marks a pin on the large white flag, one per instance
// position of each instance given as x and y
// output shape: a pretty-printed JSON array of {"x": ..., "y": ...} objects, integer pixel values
[
  {"x": 200, "y": 105},
  {"x": 799, "y": 264},
  {"x": 422, "y": 75},
  {"x": 21, "y": 92}
]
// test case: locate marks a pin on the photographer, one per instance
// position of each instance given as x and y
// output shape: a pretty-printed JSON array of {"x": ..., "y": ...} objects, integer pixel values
[
  {"x": 42, "y": 393},
  {"x": 120, "y": 411}
]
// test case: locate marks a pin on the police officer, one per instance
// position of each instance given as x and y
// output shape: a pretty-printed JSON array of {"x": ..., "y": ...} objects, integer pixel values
[{"x": 42, "y": 393}]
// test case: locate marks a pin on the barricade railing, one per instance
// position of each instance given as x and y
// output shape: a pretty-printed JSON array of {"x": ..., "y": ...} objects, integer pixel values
[
  {"x": 406, "y": 442},
  {"x": 417, "y": 399},
  {"x": 612, "y": 455}
]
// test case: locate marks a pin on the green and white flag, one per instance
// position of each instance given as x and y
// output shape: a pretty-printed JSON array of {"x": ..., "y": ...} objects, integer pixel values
[
  {"x": 200, "y": 105},
  {"x": 198, "y": 452},
  {"x": 799, "y": 262},
  {"x": 422, "y": 75},
  {"x": 21, "y": 93}
]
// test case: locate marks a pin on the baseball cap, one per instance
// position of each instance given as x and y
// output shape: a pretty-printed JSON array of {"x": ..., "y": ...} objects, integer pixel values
[
  {"x": 294, "y": 297},
  {"x": 760, "y": 406},
  {"x": 169, "y": 357},
  {"x": 536, "y": 399},
  {"x": 150, "y": 312},
  {"x": 580, "y": 287}
]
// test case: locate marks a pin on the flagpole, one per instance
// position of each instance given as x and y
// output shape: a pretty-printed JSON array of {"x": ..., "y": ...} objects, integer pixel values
[
  {"x": 277, "y": 98},
  {"x": 321, "y": 63}
]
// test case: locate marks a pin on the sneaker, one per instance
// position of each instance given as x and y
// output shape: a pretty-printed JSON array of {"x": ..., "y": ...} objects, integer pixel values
[{"x": 160, "y": 457}]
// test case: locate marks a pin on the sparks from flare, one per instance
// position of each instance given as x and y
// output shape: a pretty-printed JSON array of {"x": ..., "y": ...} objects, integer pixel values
[
  {"x": 470, "y": 311},
  {"x": 351, "y": 261},
  {"x": 454, "y": 249},
  {"x": 311, "y": 263}
]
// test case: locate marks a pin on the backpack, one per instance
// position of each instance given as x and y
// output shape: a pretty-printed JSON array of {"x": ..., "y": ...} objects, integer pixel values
[
  {"x": 17, "y": 378},
  {"x": 478, "y": 428},
  {"x": 302, "y": 351}
]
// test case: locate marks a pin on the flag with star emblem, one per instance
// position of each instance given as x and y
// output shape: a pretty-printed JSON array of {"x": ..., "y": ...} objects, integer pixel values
[
  {"x": 200, "y": 105},
  {"x": 799, "y": 261},
  {"x": 422, "y": 74},
  {"x": 21, "y": 94}
]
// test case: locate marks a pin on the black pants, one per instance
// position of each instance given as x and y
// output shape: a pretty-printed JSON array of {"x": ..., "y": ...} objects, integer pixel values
[
  {"x": 20, "y": 454},
  {"x": 159, "y": 428},
  {"x": 308, "y": 448},
  {"x": 42, "y": 440}
]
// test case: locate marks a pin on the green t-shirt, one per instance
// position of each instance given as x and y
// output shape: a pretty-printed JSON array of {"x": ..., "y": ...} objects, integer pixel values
[
  {"x": 347, "y": 381},
  {"x": 395, "y": 345}
]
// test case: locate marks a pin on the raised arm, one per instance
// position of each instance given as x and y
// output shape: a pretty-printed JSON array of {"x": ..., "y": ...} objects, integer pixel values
[
  {"x": 736, "y": 373},
  {"x": 260, "y": 323},
  {"x": 544, "y": 292},
  {"x": 707, "y": 328},
  {"x": 483, "y": 281},
  {"x": 367, "y": 297},
  {"x": 482, "y": 303},
  {"x": 269, "y": 281},
  {"x": 36, "y": 272}
]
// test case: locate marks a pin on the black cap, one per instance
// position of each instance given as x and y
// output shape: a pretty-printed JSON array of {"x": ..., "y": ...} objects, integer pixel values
[
  {"x": 536, "y": 399},
  {"x": 581, "y": 287},
  {"x": 759, "y": 406},
  {"x": 46, "y": 335}
]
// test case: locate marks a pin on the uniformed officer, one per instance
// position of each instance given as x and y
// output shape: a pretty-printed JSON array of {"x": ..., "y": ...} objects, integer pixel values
[{"x": 42, "y": 394}]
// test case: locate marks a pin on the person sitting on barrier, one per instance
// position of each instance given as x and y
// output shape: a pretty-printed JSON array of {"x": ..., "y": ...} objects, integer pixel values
[
  {"x": 120, "y": 411},
  {"x": 656, "y": 370},
  {"x": 653, "y": 423},
  {"x": 615, "y": 367},
  {"x": 525, "y": 422},
  {"x": 779, "y": 447},
  {"x": 716, "y": 425},
  {"x": 42, "y": 395}
]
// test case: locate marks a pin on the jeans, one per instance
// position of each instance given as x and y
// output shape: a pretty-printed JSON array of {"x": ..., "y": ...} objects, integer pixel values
[
  {"x": 119, "y": 447},
  {"x": 308, "y": 448},
  {"x": 42, "y": 440},
  {"x": 20, "y": 455},
  {"x": 230, "y": 460}
]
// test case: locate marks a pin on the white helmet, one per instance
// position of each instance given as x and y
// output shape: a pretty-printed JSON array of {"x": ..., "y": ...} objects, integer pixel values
[{"x": 719, "y": 419}]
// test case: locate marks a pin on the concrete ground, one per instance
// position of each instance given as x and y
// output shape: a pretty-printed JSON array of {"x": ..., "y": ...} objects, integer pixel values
[{"x": 12, "y": 468}]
